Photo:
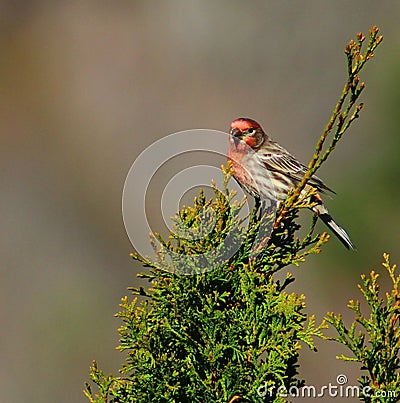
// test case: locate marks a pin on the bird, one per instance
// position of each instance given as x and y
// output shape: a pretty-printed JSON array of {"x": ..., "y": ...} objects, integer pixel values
[{"x": 265, "y": 169}]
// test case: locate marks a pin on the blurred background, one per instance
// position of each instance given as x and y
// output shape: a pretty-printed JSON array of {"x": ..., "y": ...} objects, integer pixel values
[{"x": 86, "y": 86}]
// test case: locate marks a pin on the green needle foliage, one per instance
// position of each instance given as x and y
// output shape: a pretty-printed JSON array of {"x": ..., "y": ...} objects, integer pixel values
[
  {"x": 377, "y": 346},
  {"x": 215, "y": 325},
  {"x": 211, "y": 336}
]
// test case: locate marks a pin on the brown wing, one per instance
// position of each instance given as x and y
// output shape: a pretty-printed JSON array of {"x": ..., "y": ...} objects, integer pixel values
[{"x": 276, "y": 158}]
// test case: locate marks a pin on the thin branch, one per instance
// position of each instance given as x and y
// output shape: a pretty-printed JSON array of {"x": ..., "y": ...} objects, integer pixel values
[{"x": 341, "y": 115}]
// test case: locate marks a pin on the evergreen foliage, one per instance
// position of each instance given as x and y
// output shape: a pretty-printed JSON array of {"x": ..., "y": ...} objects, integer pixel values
[
  {"x": 209, "y": 336},
  {"x": 377, "y": 346},
  {"x": 230, "y": 327}
]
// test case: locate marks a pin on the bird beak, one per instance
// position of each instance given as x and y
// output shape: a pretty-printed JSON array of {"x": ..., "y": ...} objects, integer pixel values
[{"x": 236, "y": 133}]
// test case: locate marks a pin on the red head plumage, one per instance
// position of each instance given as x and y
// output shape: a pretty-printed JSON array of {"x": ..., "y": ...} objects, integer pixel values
[
  {"x": 247, "y": 130},
  {"x": 244, "y": 124}
]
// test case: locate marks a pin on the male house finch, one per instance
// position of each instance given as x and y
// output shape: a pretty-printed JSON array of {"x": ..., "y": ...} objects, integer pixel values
[{"x": 265, "y": 169}]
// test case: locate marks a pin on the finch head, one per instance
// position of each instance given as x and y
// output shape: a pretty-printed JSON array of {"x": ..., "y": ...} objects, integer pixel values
[{"x": 249, "y": 131}]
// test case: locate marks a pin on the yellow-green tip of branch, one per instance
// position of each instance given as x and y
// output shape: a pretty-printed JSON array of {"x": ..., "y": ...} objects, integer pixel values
[{"x": 343, "y": 114}]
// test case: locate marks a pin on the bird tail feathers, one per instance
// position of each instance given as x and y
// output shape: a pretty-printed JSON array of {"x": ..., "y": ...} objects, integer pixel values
[{"x": 337, "y": 230}]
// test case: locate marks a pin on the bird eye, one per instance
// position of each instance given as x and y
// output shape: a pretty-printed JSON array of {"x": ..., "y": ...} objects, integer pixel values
[{"x": 251, "y": 131}]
